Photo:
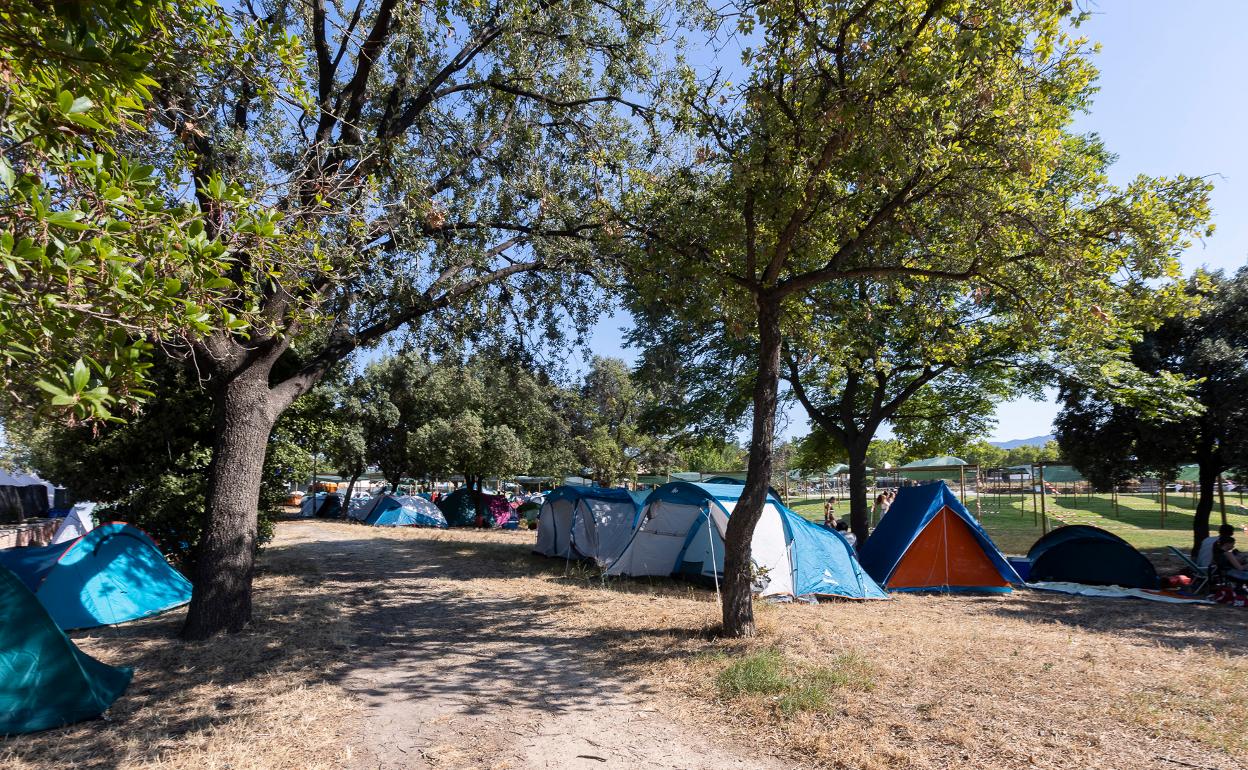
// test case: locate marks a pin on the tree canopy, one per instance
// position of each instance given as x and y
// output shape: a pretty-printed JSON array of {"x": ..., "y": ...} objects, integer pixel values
[
  {"x": 1110, "y": 441},
  {"x": 920, "y": 140}
]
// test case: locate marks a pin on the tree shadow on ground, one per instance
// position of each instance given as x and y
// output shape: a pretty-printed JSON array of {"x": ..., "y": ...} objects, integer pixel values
[
  {"x": 425, "y": 628},
  {"x": 183, "y": 691}
]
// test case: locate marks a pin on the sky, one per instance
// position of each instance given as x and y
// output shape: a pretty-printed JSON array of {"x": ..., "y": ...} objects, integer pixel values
[{"x": 1171, "y": 101}]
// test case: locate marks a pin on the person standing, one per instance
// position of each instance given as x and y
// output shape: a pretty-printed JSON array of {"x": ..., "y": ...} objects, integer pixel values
[{"x": 829, "y": 513}]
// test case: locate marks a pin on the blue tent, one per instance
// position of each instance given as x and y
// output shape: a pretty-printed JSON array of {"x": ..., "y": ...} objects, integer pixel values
[
  {"x": 682, "y": 531},
  {"x": 112, "y": 574},
  {"x": 929, "y": 541},
  {"x": 580, "y": 522},
  {"x": 391, "y": 511},
  {"x": 45, "y": 680}
]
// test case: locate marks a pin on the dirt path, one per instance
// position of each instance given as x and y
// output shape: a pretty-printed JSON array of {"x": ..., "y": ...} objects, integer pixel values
[{"x": 458, "y": 666}]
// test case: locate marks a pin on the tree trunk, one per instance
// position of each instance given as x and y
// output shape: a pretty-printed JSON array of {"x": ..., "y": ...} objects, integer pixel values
[
  {"x": 859, "y": 505},
  {"x": 1209, "y": 470},
  {"x": 738, "y": 609},
  {"x": 244, "y": 416},
  {"x": 346, "y": 500}
]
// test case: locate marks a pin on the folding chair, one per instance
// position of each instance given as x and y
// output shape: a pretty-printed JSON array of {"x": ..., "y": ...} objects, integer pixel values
[{"x": 1202, "y": 575}]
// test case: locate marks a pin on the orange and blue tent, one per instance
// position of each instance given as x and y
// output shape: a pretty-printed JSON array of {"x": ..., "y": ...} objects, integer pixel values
[{"x": 928, "y": 541}]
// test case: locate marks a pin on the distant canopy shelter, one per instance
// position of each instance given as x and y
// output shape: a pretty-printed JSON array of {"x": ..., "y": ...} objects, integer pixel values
[
  {"x": 1058, "y": 474},
  {"x": 944, "y": 468}
]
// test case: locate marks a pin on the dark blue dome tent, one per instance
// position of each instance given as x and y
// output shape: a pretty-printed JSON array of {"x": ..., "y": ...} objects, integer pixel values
[{"x": 1092, "y": 556}]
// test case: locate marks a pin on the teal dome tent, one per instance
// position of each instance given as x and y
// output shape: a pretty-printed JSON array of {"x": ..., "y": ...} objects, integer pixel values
[{"x": 45, "y": 680}]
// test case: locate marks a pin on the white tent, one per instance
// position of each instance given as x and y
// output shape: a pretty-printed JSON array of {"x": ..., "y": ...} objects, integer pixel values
[
  {"x": 79, "y": 521},
  {"x": 579, "y": 522},
  {"x": 682, "y": 529}
]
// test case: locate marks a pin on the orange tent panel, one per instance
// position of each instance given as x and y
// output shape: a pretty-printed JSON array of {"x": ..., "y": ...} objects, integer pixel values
[{"x": 945, "y": 553}]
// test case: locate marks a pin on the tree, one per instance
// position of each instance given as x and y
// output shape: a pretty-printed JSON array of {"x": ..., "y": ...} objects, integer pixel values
[
  {"x": 152, "y": 470},
  {"x": 487, "y": 418},
  {"x": 924, "y": 140},
  {"x": 440, "y": 167},
  {"x": 1110, "y": 441},
  {"x": 915, "y": 354},
  {"x": 102, "y": 262},
  {"x": 985, "y": 455},
  {"x": 604, "y": 416}
]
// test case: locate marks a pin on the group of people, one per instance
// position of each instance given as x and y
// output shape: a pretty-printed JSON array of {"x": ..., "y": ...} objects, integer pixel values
[{"x": 882, "y": 501}]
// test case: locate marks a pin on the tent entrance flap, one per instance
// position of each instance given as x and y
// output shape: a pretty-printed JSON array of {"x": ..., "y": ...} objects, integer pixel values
[{"x": 947, "y": 554}]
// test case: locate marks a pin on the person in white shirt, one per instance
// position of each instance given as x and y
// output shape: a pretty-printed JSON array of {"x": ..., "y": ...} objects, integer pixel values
[{"x": 1204, "y": 555}]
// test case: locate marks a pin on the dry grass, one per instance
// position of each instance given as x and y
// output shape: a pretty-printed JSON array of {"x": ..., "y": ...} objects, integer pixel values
[
  {"x": 260, "y": 700},
  {"x": 1022, "y": 680}
]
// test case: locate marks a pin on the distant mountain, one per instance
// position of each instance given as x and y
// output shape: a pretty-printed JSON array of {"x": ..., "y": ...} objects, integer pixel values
[{"x": 1015, "y": 443}]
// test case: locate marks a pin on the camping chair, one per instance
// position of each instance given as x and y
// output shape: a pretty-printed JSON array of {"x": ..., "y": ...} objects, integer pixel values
[{"x": 1202, "y": 575}]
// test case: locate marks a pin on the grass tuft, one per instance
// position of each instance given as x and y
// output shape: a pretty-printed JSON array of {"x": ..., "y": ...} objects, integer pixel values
[
  {"x": 793, "y": 687},
  {"x": 759, "y": 673}
]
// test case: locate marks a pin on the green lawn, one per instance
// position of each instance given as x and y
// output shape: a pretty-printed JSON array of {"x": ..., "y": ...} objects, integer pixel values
[{"x": 1012, "y": 524}]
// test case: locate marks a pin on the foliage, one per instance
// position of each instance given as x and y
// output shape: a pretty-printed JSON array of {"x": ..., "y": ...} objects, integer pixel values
[
  {"x": 1110, "y": 441},
  {"x": 102, "y": 260},
  {"x": 922, "y": 145},
  {"x": 793, "y": 688},
  {"x": 152, "y": 470},
  {"x": 603, "y": 416},
  {"x": 485, "y": 417}
]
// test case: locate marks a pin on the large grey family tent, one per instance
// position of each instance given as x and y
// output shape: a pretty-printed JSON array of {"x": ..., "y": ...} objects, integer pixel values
[
  {"x": 1090, "y": 555},
  {"x": 733, "y": 480},
  {"x": 405, "y": 511},
  {"x": 579, "y": 522},
  {"x": 681, "y": 533},
  {"x": 928, "y": 541},
  {"x": 112, "y": 574},
  {"x": 45, "y": 680}
]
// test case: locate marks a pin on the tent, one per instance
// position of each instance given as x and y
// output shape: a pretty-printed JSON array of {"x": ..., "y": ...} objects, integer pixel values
[
  {"x": 25, "y": 494},
  {"x": 112, "y": 574},
  {"x": 586, "y": 522},
  {"x": 1092, "y": 556},
  {"x": 681, "y": 533},
  {"x": 79, "y": 521},
  {"x": 45, "y": 680},
  {"x": 740, "y": 482},
  {"x": 460, "y": 509},
  {"x": 327, "y": 504},
  {"x": 929, "y": 542},
  {"x": 391, "y": 511}
]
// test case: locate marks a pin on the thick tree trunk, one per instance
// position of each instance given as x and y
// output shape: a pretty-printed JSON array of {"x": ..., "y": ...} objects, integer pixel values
[
  {"x": 738, "y": 609},
  {"x": 244, "y": 415},
  {"x": 859, "y": 505},
  {"x": 1209, "y": 470}
]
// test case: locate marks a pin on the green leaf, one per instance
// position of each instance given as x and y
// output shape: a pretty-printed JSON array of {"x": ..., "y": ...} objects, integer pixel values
[
  {"x": 81, "y": 376},
  {"x": 7, "y": 178},
  {"x": 65, "y": 100},
  {"x": 81, "y": 104},
  {"x": 172, "y": 286}
]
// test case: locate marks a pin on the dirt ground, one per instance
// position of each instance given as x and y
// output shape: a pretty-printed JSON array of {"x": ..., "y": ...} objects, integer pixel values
[{"x": 387, "y": 649}]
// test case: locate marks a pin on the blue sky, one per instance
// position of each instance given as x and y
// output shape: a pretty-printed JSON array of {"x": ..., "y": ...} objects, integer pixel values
[{"x": 1171, "y": 101}]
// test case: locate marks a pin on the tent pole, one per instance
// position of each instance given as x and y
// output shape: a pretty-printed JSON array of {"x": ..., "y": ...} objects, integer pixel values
[
  {"x": 1161, "y": 495},
  {"x": 1044, "y": 517},
  {"x": 962, "y": 483},
  {"x": 1222, "y": 497}
]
